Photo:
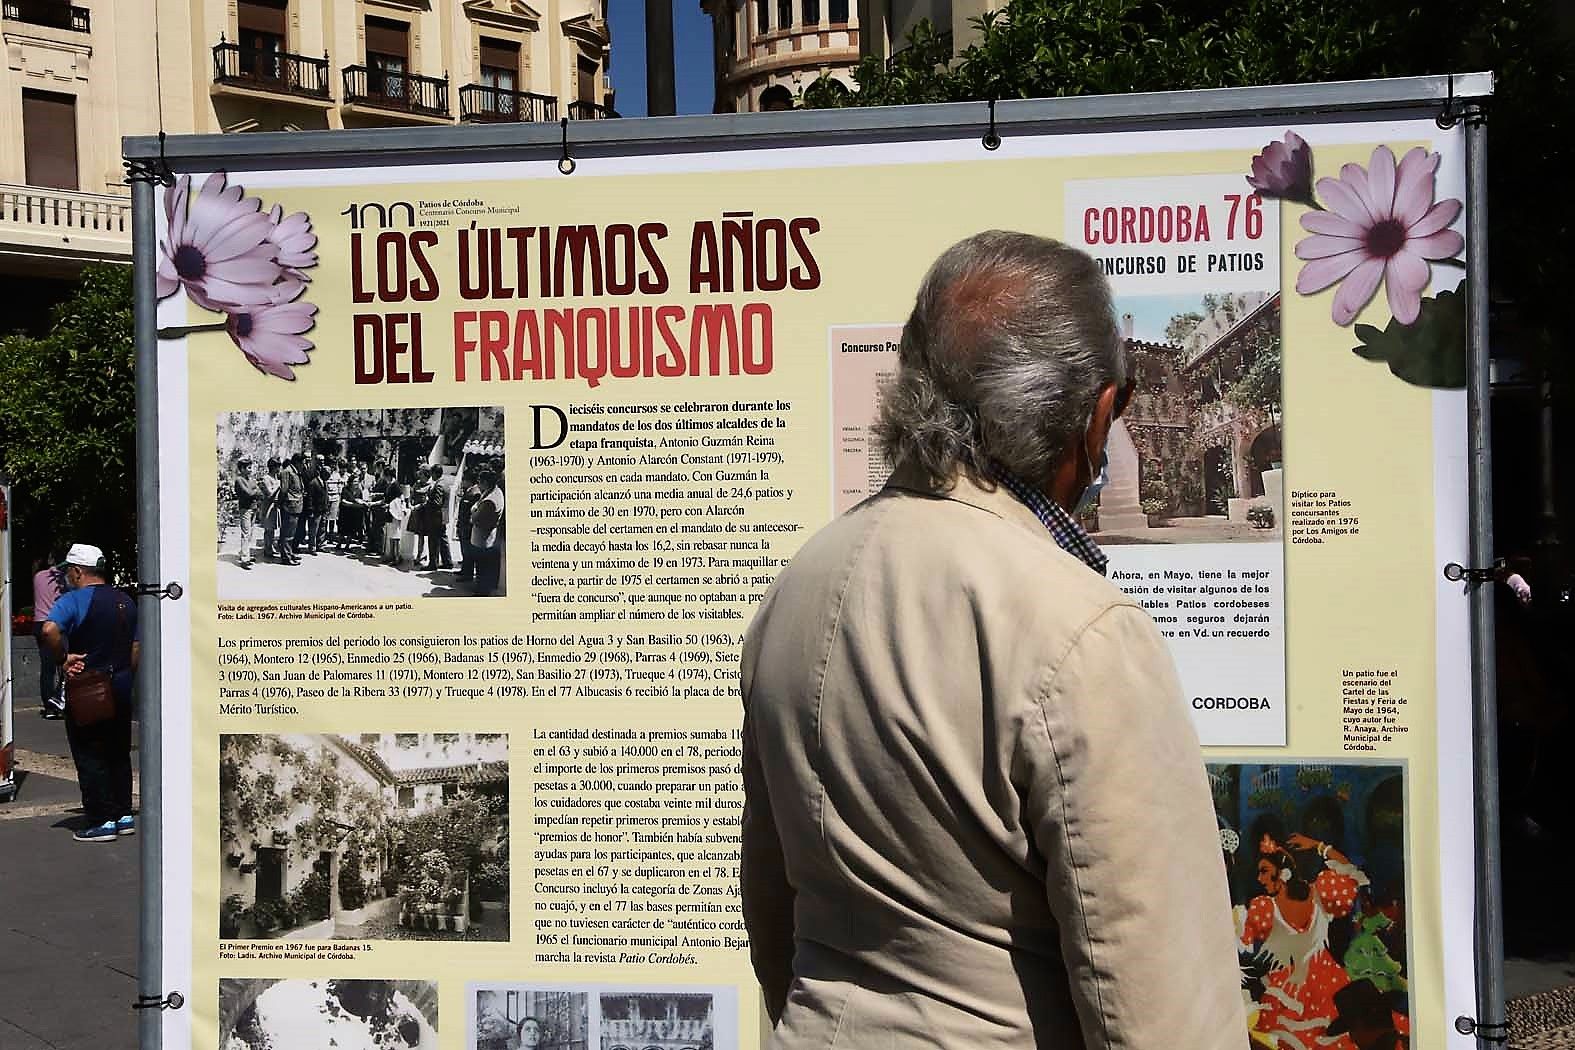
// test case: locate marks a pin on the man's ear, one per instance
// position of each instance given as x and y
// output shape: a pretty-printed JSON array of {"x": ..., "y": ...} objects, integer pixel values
[{"x": 1104, "y": 418}]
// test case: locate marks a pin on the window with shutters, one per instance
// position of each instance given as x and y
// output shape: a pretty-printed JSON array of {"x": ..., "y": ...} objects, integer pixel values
[
  {"x": 784, "y": 13},
  {"x": 387, "y": 56},
  {"x": 839, "y": 12},
  {"x": 587, "y": 86},
  {"x": 260, "y": 30},
  {"x": 762, "y": 17},
  {"x": 49, "y": 139},
  {"x": 811, "y": 12},
  {"x": 500, "y": 74}
]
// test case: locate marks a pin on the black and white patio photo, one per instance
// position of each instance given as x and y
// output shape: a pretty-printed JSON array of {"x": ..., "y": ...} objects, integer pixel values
[
  {"x": 525, "y": 1018},
  {"x": 270, "y": 1013},
  {"x": 361, "y": 503},
  {"x": 380, "y": 836}
]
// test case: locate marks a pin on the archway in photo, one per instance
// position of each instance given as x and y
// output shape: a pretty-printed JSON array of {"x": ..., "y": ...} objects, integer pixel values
[
  {"x": 1384, "y": 842},
  {"x": 1263, "y": 454},
  {"x": 1324, "y": 821},
  {"x": 1218, "y": 485}
]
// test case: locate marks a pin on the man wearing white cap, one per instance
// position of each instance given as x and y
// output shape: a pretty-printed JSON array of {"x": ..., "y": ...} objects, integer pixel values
[{"x": 93, "y": 628}]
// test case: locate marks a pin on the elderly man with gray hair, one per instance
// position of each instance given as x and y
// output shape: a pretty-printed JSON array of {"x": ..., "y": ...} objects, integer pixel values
[{"x": 975, "y": 807}]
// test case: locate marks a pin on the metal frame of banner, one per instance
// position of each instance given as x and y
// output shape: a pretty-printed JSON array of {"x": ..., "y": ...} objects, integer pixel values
[{"x": 1453, "y": 97}]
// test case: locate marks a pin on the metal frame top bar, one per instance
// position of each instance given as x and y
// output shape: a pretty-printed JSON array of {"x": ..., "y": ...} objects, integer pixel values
[{"x": 756, "y": 130}]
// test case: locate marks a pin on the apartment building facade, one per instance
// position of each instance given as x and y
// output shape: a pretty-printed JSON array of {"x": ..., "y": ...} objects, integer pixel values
[
  {"x": 81, "y": 74},
  {"x": 888, "y": 23},
  {"x": 769, "y": 51}
]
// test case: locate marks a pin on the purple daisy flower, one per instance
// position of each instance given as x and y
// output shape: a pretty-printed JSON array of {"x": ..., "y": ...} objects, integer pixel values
[
  {"x": 1284, "y": 170},
  {"x": 1381, "y": 225},
  {"x": 218, "y": 247},
  {"x": 293, "y": 236},
  {"x": 271, "y": 335}
]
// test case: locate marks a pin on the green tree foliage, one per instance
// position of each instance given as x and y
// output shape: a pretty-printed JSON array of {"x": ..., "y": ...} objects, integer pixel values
[
  {"x": 1259, "y": 385},
  {"x": 67, "y": 424},
  {"x": 1179, "y": 327},
  {"x": 1044, "y": 48}
]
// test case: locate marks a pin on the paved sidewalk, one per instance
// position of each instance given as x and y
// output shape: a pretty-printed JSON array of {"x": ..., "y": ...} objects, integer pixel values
[{"x": 68, "y": 911}]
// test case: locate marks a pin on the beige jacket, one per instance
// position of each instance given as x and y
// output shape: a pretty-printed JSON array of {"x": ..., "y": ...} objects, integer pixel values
[{"x": 976, "y": 812}]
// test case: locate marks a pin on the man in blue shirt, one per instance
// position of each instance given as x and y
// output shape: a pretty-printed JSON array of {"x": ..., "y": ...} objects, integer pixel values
[{"x": 93, "y": 627}]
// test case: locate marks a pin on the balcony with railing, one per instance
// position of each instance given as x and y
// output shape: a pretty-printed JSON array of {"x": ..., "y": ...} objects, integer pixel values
[
  {"x": 590, "y": 111},
  {"x": 55, "y": 14},
  {"x": 275, "y": 72},
  {"x": 487, "y": 103},
  {"x": 64, "y": 224},
  {"x": 384, "y": 89}
]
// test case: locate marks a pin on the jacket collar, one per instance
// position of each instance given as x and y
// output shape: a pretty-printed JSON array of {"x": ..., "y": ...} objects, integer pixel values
[{"x": 989, "y": 496}]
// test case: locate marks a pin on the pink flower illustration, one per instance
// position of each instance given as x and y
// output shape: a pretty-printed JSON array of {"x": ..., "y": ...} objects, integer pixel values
[
  {"x": 271, "y": 335},
  {"x": 218, "y": 247},
  {"x": 1284, "y": 170},
  {"x": 1382, "y": 225},
  {"x": 294, "y": 238}
]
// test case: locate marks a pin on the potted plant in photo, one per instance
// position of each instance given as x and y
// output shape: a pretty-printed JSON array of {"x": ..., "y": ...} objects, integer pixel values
[
  {"x": 231, "y": 913},
  {"x": 1261, "y": 516},
  {"x": 1156, "y": 499}
]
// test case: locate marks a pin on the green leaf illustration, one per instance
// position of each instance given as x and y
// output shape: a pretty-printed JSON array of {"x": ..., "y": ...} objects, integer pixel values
[{"x": 1429, "y": 352}]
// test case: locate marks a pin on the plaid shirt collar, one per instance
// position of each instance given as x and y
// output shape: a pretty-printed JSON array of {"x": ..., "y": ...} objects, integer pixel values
[{"x": 1068, "y": 534}]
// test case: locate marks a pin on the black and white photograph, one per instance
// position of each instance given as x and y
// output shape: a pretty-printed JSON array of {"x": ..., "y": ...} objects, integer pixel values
[
  {"x": 270, "y": 1013},
  {"x": 1196, "y": 455},
  {"x": 658, "y": 1020},
  {"x": 378, "y": 836},
  {"x": 532, "y": 1019},
  {"x": 361, "y": 503}
]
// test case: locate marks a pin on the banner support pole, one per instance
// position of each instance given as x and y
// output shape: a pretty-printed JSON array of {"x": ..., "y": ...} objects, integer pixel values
[
  {"x": 150, "y": 961},
  {"x": 1490, "y": 1026}
]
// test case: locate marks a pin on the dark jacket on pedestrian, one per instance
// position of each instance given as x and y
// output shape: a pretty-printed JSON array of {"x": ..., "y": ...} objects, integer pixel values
[
  {"x": 246, "y": 493},
  {"x": 292, "y": 491}
]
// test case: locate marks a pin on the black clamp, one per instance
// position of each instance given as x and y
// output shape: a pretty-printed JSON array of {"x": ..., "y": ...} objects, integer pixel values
[
  {"x": 992, "y": 138},
  {"x": 172, "y": 1001},
  {"x": 1455, "y": 111},
  {"x": 1487, "y": 1031},
  {"x": 1454, "y": 572},
  {"x": 172, "y": 590},
  {"x": 155, "y": 170},
  {"x": 566, "y": 163}
]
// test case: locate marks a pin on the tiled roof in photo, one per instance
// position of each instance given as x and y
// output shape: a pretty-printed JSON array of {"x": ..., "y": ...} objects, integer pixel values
[{"x": 467, "y": 775}]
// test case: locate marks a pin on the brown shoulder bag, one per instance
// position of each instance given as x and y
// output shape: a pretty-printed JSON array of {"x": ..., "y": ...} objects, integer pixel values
[{"x": 90, "y": 696}]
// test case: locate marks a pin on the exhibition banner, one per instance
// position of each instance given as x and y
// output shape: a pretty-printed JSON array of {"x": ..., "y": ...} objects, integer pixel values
[{"x": 475, "y": 472}]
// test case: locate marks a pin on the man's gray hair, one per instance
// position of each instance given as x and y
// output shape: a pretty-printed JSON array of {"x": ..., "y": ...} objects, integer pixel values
[{"x": 1011, "y": 339}]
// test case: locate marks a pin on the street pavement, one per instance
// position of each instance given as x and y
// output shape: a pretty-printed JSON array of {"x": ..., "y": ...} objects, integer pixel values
[
  {"x": 332, "y": 574},
  {"x": 68, "y": 910}
]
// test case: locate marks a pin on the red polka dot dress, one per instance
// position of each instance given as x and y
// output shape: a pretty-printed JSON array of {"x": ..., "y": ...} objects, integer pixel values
[{"x": 1298, "y": 1000}]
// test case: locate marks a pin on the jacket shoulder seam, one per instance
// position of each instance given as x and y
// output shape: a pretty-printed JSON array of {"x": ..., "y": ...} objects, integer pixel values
[{"x": 1052, "y": 675}]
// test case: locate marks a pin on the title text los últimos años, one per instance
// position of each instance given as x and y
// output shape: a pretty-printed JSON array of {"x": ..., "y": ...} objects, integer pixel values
[{"x": 736, "y": 255}]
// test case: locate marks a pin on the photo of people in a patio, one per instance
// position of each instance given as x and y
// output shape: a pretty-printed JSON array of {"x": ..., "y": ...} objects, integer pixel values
[{"x": 361, "y": 503}]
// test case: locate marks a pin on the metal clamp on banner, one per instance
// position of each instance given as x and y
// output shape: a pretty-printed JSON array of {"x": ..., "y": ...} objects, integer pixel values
[
  {"x": 1455, "y": 111},
  {"x": 566, "y": 163},
  {"x": 172, "y": 590},
  {"x": 1454, "y": 572},
  {"x": 155, "y": 170},
  {"x": 1488, "y": 1032},
  {"x": 172, "y": 1001},
  {"x": 992, "y": 138}
]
